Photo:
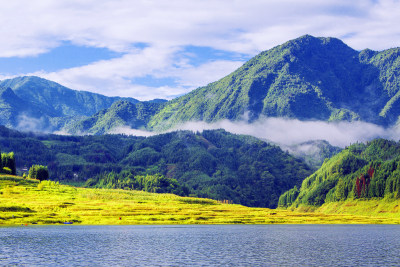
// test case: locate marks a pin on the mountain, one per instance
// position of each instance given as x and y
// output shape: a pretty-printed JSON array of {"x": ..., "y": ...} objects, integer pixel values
[
  {"x": 361, "y": 171},
  {"x": 213, "y": 164},
  {"x": 121, "y": 114},
  {"x": 51, "y": 103},
  {"x": 59, "y": 100},
  {"x": 307, "y": 78},
  {"x": 12, "y": 106}
]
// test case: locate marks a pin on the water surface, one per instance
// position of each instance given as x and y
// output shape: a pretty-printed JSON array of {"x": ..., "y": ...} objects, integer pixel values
[{"x": 204, "y": 245}]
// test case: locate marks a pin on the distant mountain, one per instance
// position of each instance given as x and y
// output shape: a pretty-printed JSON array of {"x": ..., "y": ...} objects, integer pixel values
[
  {"x": 307, "y": 78},
  {"x": 59, "y": 100},
  {"x": 361, "y": 171},
  {"x": 121, "y": 114},
  {"x": 213, "y": 164},
  {"x": 12, "y": 106},
  {"x": 49, "y": 104}
]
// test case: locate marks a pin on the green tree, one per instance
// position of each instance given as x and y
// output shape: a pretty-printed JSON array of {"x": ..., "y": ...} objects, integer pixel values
[
  {"x": 341, "y": 190},
  {"x": 8, "y": 161},
  {"x": 39, "y": 172}
]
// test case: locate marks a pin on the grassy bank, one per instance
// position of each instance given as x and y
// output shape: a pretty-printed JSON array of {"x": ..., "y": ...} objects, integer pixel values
[{"x": 30, "y": 202}]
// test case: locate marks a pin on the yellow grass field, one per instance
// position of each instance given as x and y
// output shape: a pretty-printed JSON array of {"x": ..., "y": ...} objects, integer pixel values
[{"x": 26, "y": 202}]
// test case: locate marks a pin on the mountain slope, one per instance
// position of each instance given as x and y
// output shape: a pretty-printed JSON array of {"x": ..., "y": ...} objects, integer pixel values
[
  {"x": 214, "y": 164},
  {"x": 307, "y": 78},
  {"x": 361, "y": 171},
  {"x": 121, "y": 114},
  {"x": 13, "y": 109},
  {"x": 36, "y": 104},
  {"x": 59, "y": 100}
]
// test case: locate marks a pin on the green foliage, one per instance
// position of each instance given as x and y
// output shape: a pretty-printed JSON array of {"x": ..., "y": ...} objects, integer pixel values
[
  {"x": 38, "y": 172},
  {"x": 287, "y": 198},
  {"x": 149, "y": 183},
  {"x": 361, "y": 171},
  {"x": 8, "y": 163},
  {"x": 7, "y": 170},
  {"x": 213, "y": 164}
]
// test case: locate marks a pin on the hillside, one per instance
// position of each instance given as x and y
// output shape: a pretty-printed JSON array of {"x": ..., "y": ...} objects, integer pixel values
[
  {"x": 26, "y": 202},
  {"x": 59, "y": 100},
  {"x": 47, "y": 106},
  {"x": 307, "y": 78},
  {"x": 213, "y": 164},
  {"x": 360, "y": 172},
  {"x": 11, "y": 106},
  {"x": 121, "y": 114}
]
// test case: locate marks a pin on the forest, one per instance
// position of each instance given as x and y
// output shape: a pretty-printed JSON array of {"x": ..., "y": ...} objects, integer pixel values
[
  {"x": 213, "y": 164},
  {"x": 361, "y": 171}
]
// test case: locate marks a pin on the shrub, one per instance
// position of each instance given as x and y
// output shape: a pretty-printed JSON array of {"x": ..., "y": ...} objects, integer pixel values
[{"x": 7, "y": 170}]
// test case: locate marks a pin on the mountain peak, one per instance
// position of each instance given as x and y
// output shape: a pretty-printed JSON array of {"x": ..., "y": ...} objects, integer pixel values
[
  {"x": 310, "y": 42},
  {"x": 307, "y": 78}
]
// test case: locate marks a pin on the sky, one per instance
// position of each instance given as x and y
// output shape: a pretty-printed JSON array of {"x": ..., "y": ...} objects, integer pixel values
[{"x": 164, "y": 49}]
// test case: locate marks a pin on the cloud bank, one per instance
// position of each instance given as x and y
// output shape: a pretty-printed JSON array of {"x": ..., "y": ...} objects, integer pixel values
[{"x": 290, "y": 132}]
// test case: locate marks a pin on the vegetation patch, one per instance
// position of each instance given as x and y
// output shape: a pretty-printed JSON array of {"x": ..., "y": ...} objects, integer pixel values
[{"x": 115, "y": 206}]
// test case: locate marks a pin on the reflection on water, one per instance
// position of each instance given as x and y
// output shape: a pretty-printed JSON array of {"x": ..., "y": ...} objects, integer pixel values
[{"x": 221, "y": 245}]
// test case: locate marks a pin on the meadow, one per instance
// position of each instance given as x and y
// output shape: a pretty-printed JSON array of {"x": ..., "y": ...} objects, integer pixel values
[{"x": 27, "y": 202}]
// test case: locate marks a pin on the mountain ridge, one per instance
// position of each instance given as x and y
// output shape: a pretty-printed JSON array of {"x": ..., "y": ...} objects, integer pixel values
[
  {"x": 308, "y": 78},
  {"x": 51, "y": 105}
]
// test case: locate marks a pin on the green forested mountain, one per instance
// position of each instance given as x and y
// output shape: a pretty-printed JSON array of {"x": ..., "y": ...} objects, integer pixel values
[
  {"x": 214, "y": 164},
  {"x": 121, "y": 113},
  {"x": 361, "y": 171},
  {"x": 50, "y": 104},
  {"x": 59, "y": 100},
  {"x": 306, "y": 78}
]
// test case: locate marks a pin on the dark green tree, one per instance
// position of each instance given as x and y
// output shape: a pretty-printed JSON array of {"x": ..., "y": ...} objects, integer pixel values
[
  {"x": 1, "y": 162},
  {"x": 39, "y": 172},
  {"x": 8, "y": 161}
]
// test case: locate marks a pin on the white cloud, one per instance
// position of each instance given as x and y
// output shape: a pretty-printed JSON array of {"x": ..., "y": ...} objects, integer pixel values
[
  {"x": 129, "y": 131},
  {"x": 34, "y": 27},
  {"x": 113, "y": 77},
  {"x": 289, "y": 132}
]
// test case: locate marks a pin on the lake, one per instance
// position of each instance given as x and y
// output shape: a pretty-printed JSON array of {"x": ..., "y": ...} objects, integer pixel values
[{"x": 201, "y": 245}]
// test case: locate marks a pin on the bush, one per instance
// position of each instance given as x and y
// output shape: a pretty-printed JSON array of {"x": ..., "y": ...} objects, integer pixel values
[{"x": 7, "y": 170}]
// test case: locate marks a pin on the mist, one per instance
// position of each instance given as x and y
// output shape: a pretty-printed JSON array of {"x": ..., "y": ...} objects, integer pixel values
[
  {"x": 290, "y": 131},
  {"x": 27, "y": 123}
]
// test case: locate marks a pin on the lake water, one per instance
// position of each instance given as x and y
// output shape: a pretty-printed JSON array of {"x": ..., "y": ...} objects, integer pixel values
[{"x": 203, "y": 245}]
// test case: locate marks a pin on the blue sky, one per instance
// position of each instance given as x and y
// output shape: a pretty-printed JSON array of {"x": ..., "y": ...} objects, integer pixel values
[{"x": 163, "y": 49}]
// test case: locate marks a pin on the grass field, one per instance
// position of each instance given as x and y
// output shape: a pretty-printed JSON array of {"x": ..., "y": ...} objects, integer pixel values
[{"x": 24, "y": 201}]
